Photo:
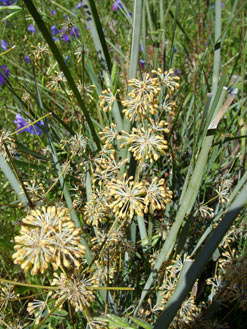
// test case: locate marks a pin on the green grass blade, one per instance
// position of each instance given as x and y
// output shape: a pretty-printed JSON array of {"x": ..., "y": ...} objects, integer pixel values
[
  {"x": 46, "y": 34},
  {"x": 12, "y": 179}
]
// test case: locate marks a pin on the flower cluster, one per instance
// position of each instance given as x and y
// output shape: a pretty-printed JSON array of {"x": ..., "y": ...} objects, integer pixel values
[{"x": 48, "y": 235}]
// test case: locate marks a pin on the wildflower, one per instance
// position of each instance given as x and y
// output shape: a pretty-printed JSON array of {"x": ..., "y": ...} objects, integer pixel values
[
  {"x": 168, "y": 79},
  {"x": 34, "y": 129},
  {"x": 52, "y": 12},
  {"x": 6, "y": 140},
  {"x": 31, "y": 29},
  {"x": 65, "y": 37},
  {"x": 145, "y": 144},
  {"x": 74, "y": 289},
  {"x": 4, "y": 72},
  {"x": 4, "y": 45},
  {"x": 95, "y": 210},
  {"x": 48, "y": 236},
  {"x": 117, "y": 4},
  {"x": 79, "y": 5},
  {"x": 39, "y": 308},
  {"x": 109, "y": 134},
  {"x": 27, "y": 59},
  {"x": 77, "y": 143},
  {"x": 74, "y": 32},
  {"x": 128, "y": 197},
  {"x": 142, "y": 63},
  {"x": 143, "y": 98},
  {"x": 7, "y": 293},
  {"x": 54, "y": 30},
  {"x": 107, "y": 99},
  {"x": 157, "y": 195}
]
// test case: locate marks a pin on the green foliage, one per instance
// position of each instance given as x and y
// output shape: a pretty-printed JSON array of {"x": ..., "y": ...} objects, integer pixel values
[{"x": 119, "y": 249}]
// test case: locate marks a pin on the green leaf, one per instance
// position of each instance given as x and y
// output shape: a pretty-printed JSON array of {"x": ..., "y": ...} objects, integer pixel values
[{"x": 140, "y": 322}]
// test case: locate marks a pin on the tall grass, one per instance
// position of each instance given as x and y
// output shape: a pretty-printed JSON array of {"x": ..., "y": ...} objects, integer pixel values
[{"x": 128, "y": 236}]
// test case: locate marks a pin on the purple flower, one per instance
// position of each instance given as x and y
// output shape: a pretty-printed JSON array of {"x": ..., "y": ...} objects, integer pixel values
[
  {"x": 177, "y": 72},
  {"x": 140, "y": 48},
  {"x": 6, "y": 72},
  {"x": 65, "y": 37},
  {"x": 67, "y": 60},
  {"x": 54, "y": 30},
  {"x": 142, "y": 63},
  {"x": 21, "y": 123},
  {"x": 74, "y": 32},
  {"x": 53, "y": 12},
  {"x": 79, "y": 5},
  {"x": 117, "y": 4},
  {"x": 31, "y": 29},
  {"x": 4, "y": 45},
  {"x": 6, "y": 2},
  {"x": 27, "y": 59}
]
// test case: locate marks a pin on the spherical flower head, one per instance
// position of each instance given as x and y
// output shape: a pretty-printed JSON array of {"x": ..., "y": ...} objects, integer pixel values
[
  {"x": 31, "y": 29},
  {"x": 4, "y": 45},
  {"x": 157, "y": 195},
  {"x": 146, "y": 144},
  {"x": 169, "y": 79},
  {"x": 4, "y": 72},
  {"x": 74, "y": 289},
  {"x": 48, "y": 235},
  {"x": 143, "y": 98},
  {"x": 107, "y": 99},
  {"x": 128, "y": 197}
]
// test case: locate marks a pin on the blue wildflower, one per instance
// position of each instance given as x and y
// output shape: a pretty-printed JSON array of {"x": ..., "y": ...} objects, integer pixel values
[
  {"x": 53, "y": 12},
  {"x": 65, "y": 37},
  {"x": 74, "y": 32},
  {"x": 54, "y": 30},
  {"x": 79, "y": 5},
  {"x": 27, "y": 59},
  {"x": 21, "y": 123},
  {"x": 6, "y": 2},
  {"x": 31, "y": 29},
  {"x": 117, "y": 4},
  {"x": 3, "y": 75},
  {"x": 4, "y": 45},
  {"x": 177, "y": 72},
  {"x": 142, "y": 63}
]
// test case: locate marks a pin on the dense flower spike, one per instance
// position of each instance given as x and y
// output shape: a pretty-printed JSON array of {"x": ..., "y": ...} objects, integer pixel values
[{"x": 48, "y": 236}]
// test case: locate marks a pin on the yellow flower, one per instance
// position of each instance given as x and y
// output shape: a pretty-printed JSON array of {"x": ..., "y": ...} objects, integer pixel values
[
  {"x": 157, "y": 195},
  {"x": 73, "y": 289},
  {"x": 145, "y": 144},
  {"x": 48, "y": 236}
]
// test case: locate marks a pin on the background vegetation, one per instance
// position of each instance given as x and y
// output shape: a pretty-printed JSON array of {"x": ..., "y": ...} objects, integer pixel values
[{"x": 137, "y": 237}]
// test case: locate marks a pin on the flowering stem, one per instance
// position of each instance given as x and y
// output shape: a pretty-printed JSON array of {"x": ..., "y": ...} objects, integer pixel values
[{"x": 15, "y": 283}]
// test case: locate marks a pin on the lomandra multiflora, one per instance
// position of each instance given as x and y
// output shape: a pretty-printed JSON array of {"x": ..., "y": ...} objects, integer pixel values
[{"x": 50, "y": 246}]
